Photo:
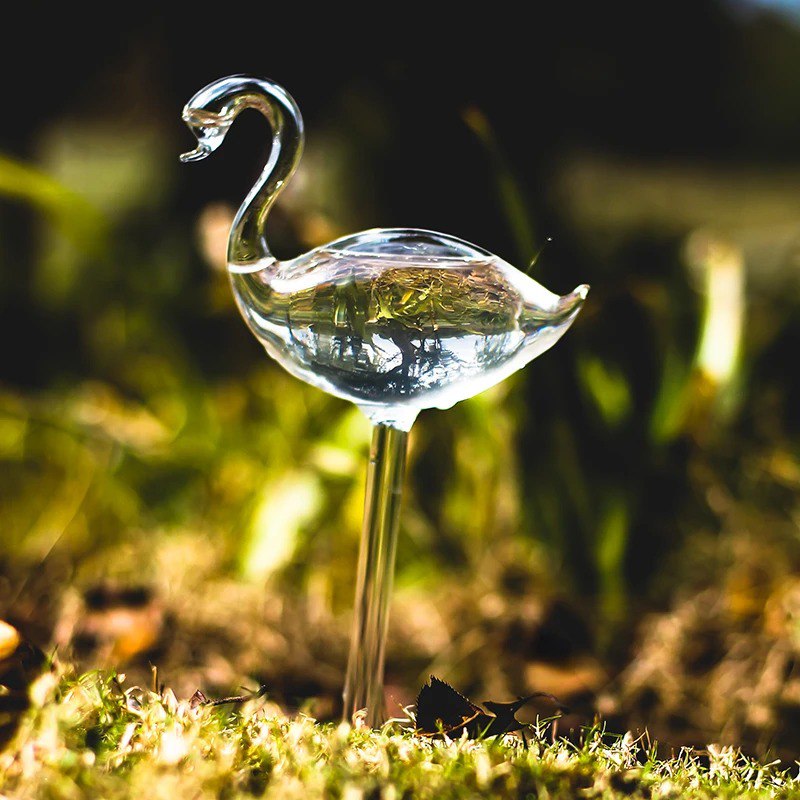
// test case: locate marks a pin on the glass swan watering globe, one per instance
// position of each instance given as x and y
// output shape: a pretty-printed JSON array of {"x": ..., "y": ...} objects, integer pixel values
[{"x": 394, "y": 320}]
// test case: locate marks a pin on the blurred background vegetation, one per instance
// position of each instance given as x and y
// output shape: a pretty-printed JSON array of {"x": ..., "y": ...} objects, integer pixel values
[{"x": 619, "y": 524}]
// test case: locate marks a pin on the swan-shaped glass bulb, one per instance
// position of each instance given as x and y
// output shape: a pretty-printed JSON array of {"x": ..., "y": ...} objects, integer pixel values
[{"x": 393, "y": 319}]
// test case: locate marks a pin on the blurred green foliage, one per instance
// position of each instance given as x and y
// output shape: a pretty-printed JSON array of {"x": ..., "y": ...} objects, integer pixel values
[{"x": 140, "y": 408}]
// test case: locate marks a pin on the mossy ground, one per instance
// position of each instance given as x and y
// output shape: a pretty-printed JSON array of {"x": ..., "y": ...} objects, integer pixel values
[{"x": 90, "y": 736}]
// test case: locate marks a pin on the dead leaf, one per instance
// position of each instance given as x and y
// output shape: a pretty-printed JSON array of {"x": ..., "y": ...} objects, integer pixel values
[{"x": 441, "y": 710}]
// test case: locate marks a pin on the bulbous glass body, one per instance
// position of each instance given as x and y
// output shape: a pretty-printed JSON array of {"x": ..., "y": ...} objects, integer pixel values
[{"x": 398, "y": 320}]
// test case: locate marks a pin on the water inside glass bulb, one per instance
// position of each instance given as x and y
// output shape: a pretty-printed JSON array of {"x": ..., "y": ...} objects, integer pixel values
[{"x": 400, "y": 320}]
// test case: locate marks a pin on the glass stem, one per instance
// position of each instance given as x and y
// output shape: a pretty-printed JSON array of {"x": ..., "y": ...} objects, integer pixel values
[{"x": 364, "y": 684}]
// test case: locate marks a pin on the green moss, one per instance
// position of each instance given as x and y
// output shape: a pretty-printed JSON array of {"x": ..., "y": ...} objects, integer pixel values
[{"x": 89, "y": 737}]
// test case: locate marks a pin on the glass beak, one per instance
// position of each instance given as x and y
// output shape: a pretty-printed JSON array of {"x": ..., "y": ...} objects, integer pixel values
[{"x": 198, "y": 154}]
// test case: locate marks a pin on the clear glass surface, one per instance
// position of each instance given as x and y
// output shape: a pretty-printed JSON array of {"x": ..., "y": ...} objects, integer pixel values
[
  {"x": 393, "y": 320},
  {"x": 400, "y": 320},
  {"x": 363, "y": 686}
]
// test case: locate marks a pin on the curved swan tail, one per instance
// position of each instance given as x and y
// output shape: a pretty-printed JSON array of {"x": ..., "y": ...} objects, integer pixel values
[
  {"x": 543, "y": 328},
  {"x": 570, "y": 304}
]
